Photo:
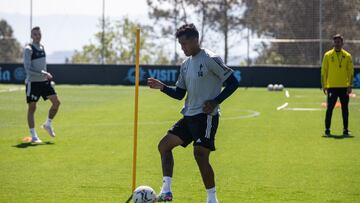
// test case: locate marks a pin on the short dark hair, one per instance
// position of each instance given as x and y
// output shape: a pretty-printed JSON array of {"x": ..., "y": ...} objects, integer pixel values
[
  {"x": 189, "y": 30},
  {"x": 338, "y": 36},
  {"x": 35, "y": 28}
]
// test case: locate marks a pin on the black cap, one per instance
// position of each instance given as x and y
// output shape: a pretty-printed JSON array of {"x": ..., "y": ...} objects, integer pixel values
[{"x": 338, "y": 36}]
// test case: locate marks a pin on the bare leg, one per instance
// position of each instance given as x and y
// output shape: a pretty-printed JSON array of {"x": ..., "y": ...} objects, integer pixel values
[
  {"x": 167, "y": 143},
  {"x": 30, "y": 114},
  {"x": 201, "y": 155},
  {"x": 54, "y": 107}
]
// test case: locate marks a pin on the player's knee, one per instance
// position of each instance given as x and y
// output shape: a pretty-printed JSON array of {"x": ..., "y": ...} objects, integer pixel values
[
  {"x": 166, "y": 144},
  {"x": 200, "y": 156},
  {"x": 162, "y": 147},
  {"x": 56, "y": 103},
  {"x": 344, "y": 106},
  {"x": 32, "y": 108},
  {"x": 330, "y": 108}
]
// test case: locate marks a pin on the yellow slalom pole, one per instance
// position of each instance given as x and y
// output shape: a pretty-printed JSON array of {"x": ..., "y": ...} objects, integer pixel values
[{"x": 136, "y": 107}]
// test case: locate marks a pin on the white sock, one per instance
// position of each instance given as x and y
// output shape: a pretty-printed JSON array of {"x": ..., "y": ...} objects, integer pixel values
[
  {"x": 48, "y": 122},
  {"x": 166, "y": 187},
  {"x": 211, "y": 195},
  {"x": 33, "y": 132}
]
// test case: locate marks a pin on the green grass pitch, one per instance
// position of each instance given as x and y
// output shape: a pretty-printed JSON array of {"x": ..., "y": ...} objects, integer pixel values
[{"x": 263, "y": 154}]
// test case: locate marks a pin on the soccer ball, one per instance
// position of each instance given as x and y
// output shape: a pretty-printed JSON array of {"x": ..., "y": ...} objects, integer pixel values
[
  {"x": 144, "y": 194},
  {"x": 270, "y": 87},
  {"x": 281, "y": 87},
  {"x": 276, "y": 87}
]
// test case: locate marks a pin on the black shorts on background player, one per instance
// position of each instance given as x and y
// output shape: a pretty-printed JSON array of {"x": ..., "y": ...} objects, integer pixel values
[
  {"x": 35, "y": 90},
  {"x": 200, "y": 129}
]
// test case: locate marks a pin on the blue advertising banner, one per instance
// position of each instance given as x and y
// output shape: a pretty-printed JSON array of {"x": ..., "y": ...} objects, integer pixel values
[{"x": 259, "y": 76}]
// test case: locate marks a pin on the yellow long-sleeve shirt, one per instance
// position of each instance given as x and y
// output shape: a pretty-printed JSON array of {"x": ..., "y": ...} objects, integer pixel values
[{"x": 337, "y": 69}]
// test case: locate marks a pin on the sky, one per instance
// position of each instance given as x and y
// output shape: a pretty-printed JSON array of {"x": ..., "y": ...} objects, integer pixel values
[
  {"x": 66, "y": 24},
  {"x": 74, "y": 7}
]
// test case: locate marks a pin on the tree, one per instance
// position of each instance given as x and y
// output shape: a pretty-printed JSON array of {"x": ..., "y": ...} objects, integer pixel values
[
  {"x": 284, "y": 19},
  {"x": 168, "y": 14},
  {"x": 11, "y": 50},
  {"x": 225, "y": 16},
  {"x": 120, "y": 45},
  {"x": 222, "y": 16}
]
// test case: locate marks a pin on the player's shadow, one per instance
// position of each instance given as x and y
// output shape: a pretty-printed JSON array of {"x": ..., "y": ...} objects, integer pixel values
[
  {"x": 338, "y": 136},
  {"x": 29, "y": 144}
]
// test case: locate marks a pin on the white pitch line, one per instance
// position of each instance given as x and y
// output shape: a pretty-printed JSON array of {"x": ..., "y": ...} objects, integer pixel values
[
  {"x": 13, "y": 89},
  {"x": 250, "y": 115},
  {"x": 282, "y": 106},
  {"x": 287, "y": 94},
  {"x": 303, "y": 109}
]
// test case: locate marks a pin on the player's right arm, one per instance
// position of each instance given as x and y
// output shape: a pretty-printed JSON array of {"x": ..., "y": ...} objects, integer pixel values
[
  {"x": 27, "y": 65},
  {"x": 350, "y": 71},
  {"x": 324, "y": 73},
  {"x": 27, "y": 62},
  {"x": 176, "y": 93}
]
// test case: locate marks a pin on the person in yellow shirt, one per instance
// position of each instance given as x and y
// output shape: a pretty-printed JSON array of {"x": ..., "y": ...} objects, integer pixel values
[{"x": 337, "y": 72}]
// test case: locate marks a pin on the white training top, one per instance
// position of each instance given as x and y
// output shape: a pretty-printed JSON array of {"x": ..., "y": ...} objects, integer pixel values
[
  {"x": 202, "y": 76},
  {"x": 34, "y": 63}
]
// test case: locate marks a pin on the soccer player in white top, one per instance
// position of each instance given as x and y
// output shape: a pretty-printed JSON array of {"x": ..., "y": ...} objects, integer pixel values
[
  {"x": 38, "y": 84},
  {"x": 201, "y": 76}
]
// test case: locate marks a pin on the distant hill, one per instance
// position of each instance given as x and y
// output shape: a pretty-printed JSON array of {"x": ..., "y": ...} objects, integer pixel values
[
  {"x": 62, "y": 33},
  {"x": 59, "y": 32},
  {"x": 59, "y": 56}
]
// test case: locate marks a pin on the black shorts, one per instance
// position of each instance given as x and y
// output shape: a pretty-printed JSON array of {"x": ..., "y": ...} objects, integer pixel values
[
  {"x": 35, "y": 90},
  {"x": 200, "y": 129}
]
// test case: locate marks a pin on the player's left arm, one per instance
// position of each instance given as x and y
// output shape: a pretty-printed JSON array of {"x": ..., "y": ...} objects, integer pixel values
[
  {"x": 350, "y": 74},
  {"x": 231, "y": 84},
  {"x": 218, "y": 67}
]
